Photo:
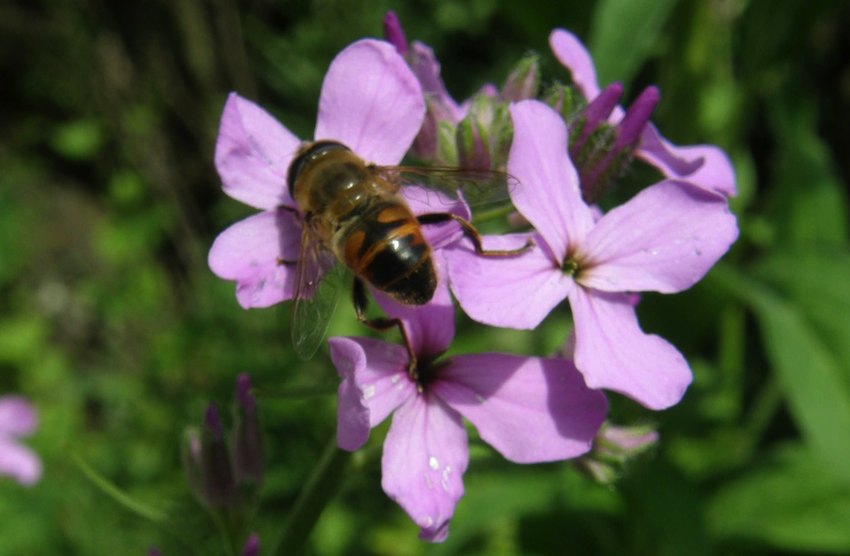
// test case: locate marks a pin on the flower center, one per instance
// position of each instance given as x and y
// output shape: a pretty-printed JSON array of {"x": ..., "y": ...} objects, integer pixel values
[
  {"x": 426, "y": 370},
  {"x": 570, "y": 266}
]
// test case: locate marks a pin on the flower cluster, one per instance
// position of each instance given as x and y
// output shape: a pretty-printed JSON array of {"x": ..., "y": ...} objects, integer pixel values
[
  {"x": 222, "y": 474},
  {"x": 17, "y": 419},
  {"x": 385, "y": 100}
]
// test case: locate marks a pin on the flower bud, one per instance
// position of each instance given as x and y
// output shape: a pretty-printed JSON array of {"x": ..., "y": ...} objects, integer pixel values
[
  {"x": 252, "y": 545},
  {"x": 393, "y": 32},
  {"x": 484, "y": 136},
  {"x": 523, "y": 81},
  {"x": 247, "y": 439},
  {"x": 563, "y": 100},
  {"x": 190, "y": 455},
  {"x": 594, "y": 115},
  {"x": 614, "y": 448},
  {"x": 637, "y": 116},
  {"x": 218, "y": 484}
]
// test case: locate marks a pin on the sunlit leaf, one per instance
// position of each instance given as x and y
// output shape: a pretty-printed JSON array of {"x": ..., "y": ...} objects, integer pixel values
[{"x": 808, "y": 373}]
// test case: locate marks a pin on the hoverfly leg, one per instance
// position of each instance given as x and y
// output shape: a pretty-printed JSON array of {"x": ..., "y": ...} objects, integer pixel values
[
  {"x": 361, "y": 302},
  {"x": 473, "y": 235}
]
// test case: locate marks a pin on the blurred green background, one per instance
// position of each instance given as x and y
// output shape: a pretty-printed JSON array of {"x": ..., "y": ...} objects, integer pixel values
[{"x": 111, "y": 322}]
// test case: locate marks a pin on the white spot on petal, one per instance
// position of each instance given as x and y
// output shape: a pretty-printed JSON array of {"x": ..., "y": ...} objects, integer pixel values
[
  {"x": 434, "y": 463},
  {"x": 444, "y": 480},
  {"x": 480, "y": 399},
  {"x": 368, "y": 391},
  {"x": 426, "y": 521}
]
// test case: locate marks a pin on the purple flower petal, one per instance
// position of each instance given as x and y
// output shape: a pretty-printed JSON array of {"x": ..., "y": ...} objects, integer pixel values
[
  {"x": 352, "y": 416},
  {"x": 425, "y": 456},
  {"x": 612, "y": 352},
  {"x": 375, "y": 383},
  {"x": 251, "y": 253},
  {"x": 19, "y": 462},
  {"x": 371, "y": 102},
  {"x": 17, "y": 416},
  {"x": 548, "y": 195},
  {"x": 424, "y": 64},
  {"x": 574, "y": 56},
  {"x": 515, "y": 292},
  {"x": 707, "y": 166},
  {"x": 253, "y": 153},
  {"x": 664, "y": 239},
  {"x": 530, "y": 409}
]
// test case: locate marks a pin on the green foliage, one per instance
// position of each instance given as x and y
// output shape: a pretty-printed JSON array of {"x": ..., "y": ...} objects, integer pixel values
[{"x": 112, "y": 324}]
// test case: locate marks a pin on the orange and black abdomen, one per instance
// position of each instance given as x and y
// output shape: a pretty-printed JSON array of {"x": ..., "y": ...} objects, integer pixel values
[{"x": 387, "y": 249}]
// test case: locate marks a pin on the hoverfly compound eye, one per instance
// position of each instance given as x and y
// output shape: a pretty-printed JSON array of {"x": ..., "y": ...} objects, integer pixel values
[{"x": 308, "y": 153}]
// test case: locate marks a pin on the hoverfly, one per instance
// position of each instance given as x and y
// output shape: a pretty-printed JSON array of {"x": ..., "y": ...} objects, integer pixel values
[{"x": 354, "y": 213}]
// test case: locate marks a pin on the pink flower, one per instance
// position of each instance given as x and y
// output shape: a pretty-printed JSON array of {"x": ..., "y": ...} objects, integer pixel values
[
  {"x": 529, "y": 409},
  {"x": 664, "y": 239},
  {"x": 17, "y": 419},
  {"x": 707, "y": 166},
  {"x": 370, "y": 102}
]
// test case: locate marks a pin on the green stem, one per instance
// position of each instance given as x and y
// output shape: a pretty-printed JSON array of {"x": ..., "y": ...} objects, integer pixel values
[{"x": 323, "y": 484}]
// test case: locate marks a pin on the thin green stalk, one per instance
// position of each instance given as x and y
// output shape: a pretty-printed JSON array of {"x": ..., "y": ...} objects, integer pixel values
[
  {"x": 134, "y": 506},
  {"x": 326, "y": 480}
]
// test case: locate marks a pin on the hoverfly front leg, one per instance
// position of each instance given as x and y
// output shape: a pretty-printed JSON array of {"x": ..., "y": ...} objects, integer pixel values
[
  {"x": 361, "y": 302},
  {"x": 470, "y": 232}
]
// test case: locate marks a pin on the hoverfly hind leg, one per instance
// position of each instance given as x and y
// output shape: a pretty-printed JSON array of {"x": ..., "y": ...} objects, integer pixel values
[
  {"x": 473, "y": 235},
  {"x": 361, "y": 302}
]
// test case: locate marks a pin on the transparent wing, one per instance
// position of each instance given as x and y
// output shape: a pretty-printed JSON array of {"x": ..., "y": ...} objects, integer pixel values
[
  {"x": 320, "y": 279},
  {"x": 475, "y": 187}
]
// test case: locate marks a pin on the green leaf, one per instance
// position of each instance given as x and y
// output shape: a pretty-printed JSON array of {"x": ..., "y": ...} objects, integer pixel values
[
  {"x": 808, "y": 373},
  {"x": 623, "y": 35},
  {"x": 789, "y": 503},
  {"x": 817, "y": 281},
  {"x": 811, "y": 199}
]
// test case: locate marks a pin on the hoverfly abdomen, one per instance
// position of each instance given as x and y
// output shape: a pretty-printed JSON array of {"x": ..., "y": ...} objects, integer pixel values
[{"x": 388, "y": 250}]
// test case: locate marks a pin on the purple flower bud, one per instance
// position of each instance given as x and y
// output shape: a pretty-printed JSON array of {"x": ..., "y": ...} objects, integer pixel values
[
  {"x": 218, "y": 484},
  {"x": 597, "y": 112},
  {"x": 252, "y": 545},
  {"x": 394, "y": 33},
  {"x": 247, "y": 439},
  {"x": 637, "y": 116}
]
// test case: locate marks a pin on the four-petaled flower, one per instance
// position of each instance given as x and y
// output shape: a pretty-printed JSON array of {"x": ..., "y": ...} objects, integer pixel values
[
  {"x": 664, "y": 239},
  {"x": 707, "y": 166},
  {"x": 370, "y": 101},
  {"x": 17, "y": 419},
  {"x": 530, "y": 409}
]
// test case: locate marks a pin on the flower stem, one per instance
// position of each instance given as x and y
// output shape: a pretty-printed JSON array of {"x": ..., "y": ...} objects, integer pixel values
[{"x": 322, "y": 485}]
